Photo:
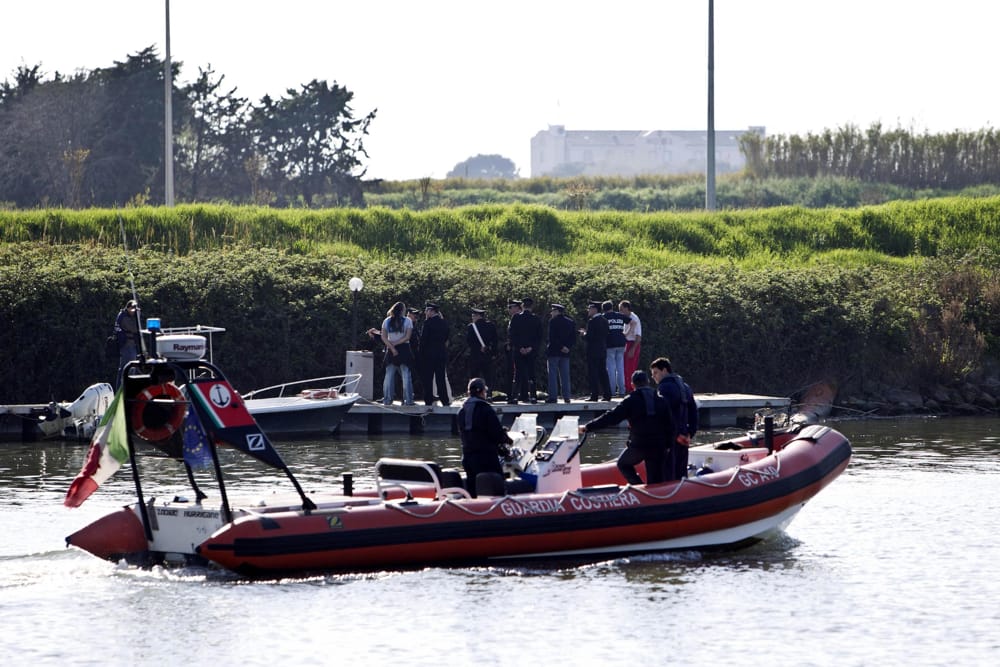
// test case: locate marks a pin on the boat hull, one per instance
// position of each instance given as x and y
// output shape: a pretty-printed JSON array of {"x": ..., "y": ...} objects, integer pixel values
[{"x": 295, "y": 417}]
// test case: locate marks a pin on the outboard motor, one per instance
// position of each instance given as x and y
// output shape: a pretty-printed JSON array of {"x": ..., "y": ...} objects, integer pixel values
[{"x": 79, "y": 419}]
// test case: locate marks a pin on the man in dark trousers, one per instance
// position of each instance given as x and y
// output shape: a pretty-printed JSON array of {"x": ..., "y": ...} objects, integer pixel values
[
  {"x": 650, "y": 426},
  {"x": 562, "y": 337},
  {"x": 683, "y": 410},
  {"x": 525, "y": 338},
  {"x": 596, "y": 337},
  {"x": 418, "y": 359},
  {"x": 434, "y": 350},
  {"x": 513, "y": 309},
  {"x": 481, "y": 337},
  {"x": 483, "y": 437}
]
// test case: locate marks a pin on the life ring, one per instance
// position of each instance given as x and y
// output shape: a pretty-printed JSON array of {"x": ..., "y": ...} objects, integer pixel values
[{"x": 158, "y": 425}]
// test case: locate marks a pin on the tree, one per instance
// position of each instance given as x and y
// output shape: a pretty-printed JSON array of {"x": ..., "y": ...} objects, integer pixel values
[
  {"x": 213, "y": 140},
  {"x": 311, "y": 142},
  {"x": 485, "y": 166}
]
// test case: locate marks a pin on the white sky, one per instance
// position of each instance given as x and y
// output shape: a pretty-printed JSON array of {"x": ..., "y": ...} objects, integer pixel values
[{"x": 452, "y": 79}]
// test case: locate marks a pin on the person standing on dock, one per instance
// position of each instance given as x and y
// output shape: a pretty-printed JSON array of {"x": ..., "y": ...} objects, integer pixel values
[
  {"x": 562, "y": 337},
  {"x": 513, "y": 309},
  {"x": 633, "y": 340},
  {"x": 483, "y": 437},
  {"x": 481, "y": 337},
  {"x": 434, "y": 348},
  {"x": 525, "y": 338},
  {"x": 397, "y": 329},
  {"x": 616, "y": 348},
  {"x": 413, "y": 314},
  {"x": 650, "y": 425},
  {"x": 683, "y": 410},
  {"x": 596, "y": 336}
]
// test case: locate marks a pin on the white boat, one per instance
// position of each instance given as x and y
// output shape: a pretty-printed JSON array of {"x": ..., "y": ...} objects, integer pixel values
[
  {"x": 69, "y": 420},
  {"x": 304, "y": 407}
]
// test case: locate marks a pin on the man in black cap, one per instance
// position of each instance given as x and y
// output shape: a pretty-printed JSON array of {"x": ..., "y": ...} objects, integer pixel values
[
  {"x": 481, "y": 337},
  {"x": 562, "y": 337},
  {"x": 434, "y": 350},
  {"x": 650, "y": 428},
  {"x": 525, "y": 333},
  {"x": 483, "y": 437},
  {"x": 596, "y": 336}
]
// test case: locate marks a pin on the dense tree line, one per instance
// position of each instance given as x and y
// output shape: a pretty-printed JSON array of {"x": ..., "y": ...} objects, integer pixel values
[
  {"x": 900, "y": 157},
  {"x": 96, "y": 138}
]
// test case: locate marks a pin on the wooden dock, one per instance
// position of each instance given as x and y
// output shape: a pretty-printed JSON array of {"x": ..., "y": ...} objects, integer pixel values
[{"x": 371, "y": 417}]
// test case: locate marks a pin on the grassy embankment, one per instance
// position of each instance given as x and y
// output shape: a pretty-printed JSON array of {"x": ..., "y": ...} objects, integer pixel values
[{"x": 764, "y": 300}]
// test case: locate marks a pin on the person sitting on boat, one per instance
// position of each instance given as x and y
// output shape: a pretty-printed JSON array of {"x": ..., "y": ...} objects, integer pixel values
[
  {"x": 650, "y": 427},
  {"x": 483, "y": 438}
]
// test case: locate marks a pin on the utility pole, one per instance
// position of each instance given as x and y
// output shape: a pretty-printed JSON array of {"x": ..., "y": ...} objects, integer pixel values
[
  {"x": 168, "y": 122},
  {"x": 710, "y": 158}
]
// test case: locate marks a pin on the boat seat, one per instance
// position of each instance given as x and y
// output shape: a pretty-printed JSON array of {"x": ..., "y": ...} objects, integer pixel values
[{"x": 412, "y": 473}]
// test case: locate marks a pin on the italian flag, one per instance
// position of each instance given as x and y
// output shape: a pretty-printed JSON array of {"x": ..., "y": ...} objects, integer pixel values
[{"x": 108, "y": 451}]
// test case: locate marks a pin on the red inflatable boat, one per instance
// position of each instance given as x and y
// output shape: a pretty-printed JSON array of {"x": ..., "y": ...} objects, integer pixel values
[{"x": 417, "y": 514}]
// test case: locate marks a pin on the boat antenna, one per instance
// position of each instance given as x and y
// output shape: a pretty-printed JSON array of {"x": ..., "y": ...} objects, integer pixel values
[{"x": 131, "y": 280}]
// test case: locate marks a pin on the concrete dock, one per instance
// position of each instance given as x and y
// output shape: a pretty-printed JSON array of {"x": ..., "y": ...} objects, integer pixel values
[{"x": 371, "y": 417}]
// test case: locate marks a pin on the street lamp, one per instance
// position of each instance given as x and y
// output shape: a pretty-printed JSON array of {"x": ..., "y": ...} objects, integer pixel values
[{"x": 356, "y": 284}]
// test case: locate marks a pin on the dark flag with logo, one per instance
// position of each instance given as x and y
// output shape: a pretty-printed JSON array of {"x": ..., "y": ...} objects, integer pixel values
[{"x": 228, "y": 422}]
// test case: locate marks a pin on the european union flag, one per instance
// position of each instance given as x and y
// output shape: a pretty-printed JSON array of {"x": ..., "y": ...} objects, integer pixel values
[{"x": 196, "y": 451}]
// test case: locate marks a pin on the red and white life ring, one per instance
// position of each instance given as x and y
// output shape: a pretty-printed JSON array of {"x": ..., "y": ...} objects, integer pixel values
[{"x": 158, "y": 428}]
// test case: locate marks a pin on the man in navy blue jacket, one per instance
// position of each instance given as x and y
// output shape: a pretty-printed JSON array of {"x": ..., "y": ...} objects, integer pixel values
[
  {"x": 650, "y": 427},
  {"x": 684, "y": 410}
]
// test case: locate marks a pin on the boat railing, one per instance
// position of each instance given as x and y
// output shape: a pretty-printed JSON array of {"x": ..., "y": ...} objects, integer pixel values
[{"x": 341, "y": 384}]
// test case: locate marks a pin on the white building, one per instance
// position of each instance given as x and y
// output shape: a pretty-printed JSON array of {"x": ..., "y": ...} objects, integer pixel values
[{"x": 561, "y": 152}]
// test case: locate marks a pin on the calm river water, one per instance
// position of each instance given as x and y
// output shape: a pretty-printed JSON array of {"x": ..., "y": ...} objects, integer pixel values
[{"x": 896, "y": 563}]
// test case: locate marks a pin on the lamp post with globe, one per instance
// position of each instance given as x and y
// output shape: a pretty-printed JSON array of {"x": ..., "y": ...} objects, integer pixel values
[{"x": 356, "y": 285}]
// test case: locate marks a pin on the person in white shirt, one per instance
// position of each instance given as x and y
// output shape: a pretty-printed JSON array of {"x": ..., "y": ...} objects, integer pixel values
[{"x": 633, "y": 342}]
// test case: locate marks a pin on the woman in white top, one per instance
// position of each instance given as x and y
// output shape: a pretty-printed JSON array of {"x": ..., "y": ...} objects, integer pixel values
[{"x": 396, "y": 331}]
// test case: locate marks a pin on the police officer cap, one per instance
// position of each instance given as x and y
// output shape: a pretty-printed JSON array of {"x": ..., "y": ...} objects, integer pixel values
[
  {"x": 413, "y": 311},
  {"x": 558, "y": 306},
  {"x": 431, "y": 306},
  {"x": 527, "y": 302},
  {"x": 477, "y": 311},
  {"x": 513, "y": 302},
  {"x": 594, "y": 304}
]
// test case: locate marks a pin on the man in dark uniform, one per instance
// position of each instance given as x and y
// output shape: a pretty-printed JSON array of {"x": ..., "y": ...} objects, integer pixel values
[
  {"x": 683, "y": 410},
  {"x": 650, "y": 425},
  {"x": 596, "y": 336},
  {"x": 525, "y": 339},
  {"x": 434, "y": 350},
  {"x": 481, "y": 337},
  {"x": 562, "y": 337},
  {"x": 513, "y": 309},
  {"x": 483, "y": 438},
  {"x": 418, "y": 359}
]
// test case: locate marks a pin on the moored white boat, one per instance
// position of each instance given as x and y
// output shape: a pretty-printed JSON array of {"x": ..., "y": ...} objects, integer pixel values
[{"x": 304, "y": 407}]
